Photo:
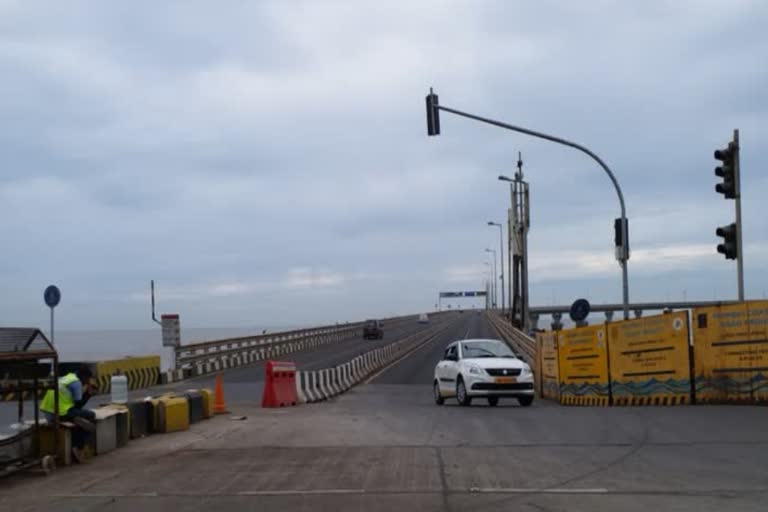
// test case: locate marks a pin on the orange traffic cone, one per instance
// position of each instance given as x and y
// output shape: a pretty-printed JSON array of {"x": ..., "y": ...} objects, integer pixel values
[{"x": 218, "y": 404}]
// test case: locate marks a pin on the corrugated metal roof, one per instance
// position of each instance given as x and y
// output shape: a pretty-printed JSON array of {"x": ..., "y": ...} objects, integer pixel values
[{"x": 14, "y": 340}]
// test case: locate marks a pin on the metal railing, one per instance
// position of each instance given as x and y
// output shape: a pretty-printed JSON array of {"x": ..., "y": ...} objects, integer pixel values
[
  {"x": 521, "y": 343},
  {"x": 225, "y": 353}
]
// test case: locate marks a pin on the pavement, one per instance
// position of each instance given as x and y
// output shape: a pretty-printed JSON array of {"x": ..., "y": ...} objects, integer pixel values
[
  {"x": 385, "y": 445},
  {"x": 246, "y": 383}
]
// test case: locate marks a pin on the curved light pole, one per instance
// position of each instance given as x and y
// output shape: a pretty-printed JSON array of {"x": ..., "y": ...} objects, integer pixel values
[
  {"x": 501, "y": 257},
  {"x": 433, "y": 128},
  {"x": 495, "y": 288}
]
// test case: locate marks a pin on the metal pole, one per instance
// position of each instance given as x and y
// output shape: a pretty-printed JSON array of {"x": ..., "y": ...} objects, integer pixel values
[
  {"x": 624, "y": 256},
  {"x": 501, "y": 258},
  {"x": 524, "y": 223},
  {"x": 739, "y": 236},
  {"x": 509, "y": 259},
  {"x": 52, "y": 337}
]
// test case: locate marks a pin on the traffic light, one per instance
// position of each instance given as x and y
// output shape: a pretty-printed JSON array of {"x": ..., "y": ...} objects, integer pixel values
[
  {"x": 727, "y": 170},
  {"x": 729, "y": 247},
  {"x": 433, "y": 114}
]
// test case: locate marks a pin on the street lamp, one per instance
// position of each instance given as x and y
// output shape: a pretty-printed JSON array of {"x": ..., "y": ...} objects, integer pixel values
[
  {"x": 495, "y": 288},
  {"x": 621, "y": 225},
  {"x": 501, "y": 257},
  {"x": 488, "y": 284}
]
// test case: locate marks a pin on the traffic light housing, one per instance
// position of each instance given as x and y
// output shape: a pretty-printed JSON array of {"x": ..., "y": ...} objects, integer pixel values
[
  {"x": 433, "y": 114},
  {"x": 729, "y": 246},
  {"x": 727, "y": 170}
]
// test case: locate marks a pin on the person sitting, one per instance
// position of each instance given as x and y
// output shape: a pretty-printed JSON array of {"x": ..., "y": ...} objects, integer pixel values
[{"x": 74, "y": 392}]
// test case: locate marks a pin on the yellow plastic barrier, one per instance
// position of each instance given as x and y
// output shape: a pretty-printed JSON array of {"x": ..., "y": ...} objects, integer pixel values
[
  {"x": 208, "y": 399},
  {"x": 583, "y": 366},
  {"x": 731, "y": 352},
  {"x": 649, "y": 360},
  {"x": 549, "y": 372},
  {"x": 173, "y": 414}
]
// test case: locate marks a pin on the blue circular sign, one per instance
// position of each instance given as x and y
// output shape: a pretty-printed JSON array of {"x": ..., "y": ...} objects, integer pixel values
[
  {"x": 52, "y": 296},
  {"x": 579, "y": 310}
]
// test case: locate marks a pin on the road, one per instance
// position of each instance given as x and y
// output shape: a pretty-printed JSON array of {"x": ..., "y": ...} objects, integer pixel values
[
  {"x": 386, "y": 445},
  {"x": 246, "y": 383}
]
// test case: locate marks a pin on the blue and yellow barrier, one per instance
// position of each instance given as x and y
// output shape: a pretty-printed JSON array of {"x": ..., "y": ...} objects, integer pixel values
[
  {"x": 583, "y": 366},
  {"x": 731, "y": 353},
  {"x": 649, "y": 360}
]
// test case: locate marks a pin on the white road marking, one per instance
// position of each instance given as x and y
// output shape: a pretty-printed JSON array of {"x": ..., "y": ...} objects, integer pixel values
[
  {"x": 523, "y": 490},
  {"x": 300, "y": 492}
]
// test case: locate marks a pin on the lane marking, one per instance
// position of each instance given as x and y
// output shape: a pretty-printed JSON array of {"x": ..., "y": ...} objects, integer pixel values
[
  {"x": 523, "y": 490},
  {"x": 423, "y": 344},
  {"x": 301, "y": 492}
]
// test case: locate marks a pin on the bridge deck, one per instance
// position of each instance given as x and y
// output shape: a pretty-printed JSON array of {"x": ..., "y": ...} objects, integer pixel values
[{"x": 386, "y": 446}]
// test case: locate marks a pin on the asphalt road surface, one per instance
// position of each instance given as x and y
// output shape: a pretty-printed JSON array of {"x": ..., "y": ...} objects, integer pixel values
[{"x": 386, "y": 446}]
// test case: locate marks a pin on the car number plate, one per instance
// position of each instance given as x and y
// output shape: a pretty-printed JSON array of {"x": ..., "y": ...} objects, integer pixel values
[{"x": 505, "y": 380}]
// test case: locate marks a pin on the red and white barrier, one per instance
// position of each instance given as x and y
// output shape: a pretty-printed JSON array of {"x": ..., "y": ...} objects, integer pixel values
[{"x": 279, "y": 385}]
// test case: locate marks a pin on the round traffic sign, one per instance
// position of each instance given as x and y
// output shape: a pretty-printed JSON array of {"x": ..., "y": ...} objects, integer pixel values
[
  {"x": 52, "y": 296},
  {"x": 579, "y": 310}
]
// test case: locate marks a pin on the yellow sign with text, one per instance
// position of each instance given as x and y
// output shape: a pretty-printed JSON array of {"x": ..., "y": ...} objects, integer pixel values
[
  {"x": 583, "y": 366},
  {"x": 730, "y": 345},
  {"x": 650, "y": 360},
  {"x": 549, "y": 373}
]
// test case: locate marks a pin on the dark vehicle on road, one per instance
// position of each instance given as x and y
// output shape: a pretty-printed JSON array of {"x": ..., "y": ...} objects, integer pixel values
[{"x": 373, "y": 330}]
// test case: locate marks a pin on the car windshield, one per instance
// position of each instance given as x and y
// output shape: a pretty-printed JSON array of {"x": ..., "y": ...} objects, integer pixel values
[{"x": 474, "y": 349}]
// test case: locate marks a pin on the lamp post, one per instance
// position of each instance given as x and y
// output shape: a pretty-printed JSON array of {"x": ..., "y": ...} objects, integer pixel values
[
  {"x": 501, "y": 258},
  {"x": 495, "y": 288},
  {"x": 488, "y": 285}
]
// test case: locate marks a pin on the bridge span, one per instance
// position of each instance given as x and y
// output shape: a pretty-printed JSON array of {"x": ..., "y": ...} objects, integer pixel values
[{"x": 385, "y": 445}]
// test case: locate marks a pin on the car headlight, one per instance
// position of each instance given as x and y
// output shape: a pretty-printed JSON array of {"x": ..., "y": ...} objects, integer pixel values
[
  {"x": 474, "y": 370},
  {"x": 526, "y": 370}
]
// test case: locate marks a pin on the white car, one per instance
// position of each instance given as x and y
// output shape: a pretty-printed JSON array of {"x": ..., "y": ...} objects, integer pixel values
[{"x": 481, "y": 368}]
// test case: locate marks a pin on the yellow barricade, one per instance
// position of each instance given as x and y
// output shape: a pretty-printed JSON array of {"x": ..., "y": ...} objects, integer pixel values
[
  {"x": 731, "y": 352},
  {"x": 141, "y": 371},
  {"x": 173, "y": 414},
  {"x": 549, "y": 373},
  {"x": 583, "y": 366},
  {"x": 649, "y": 360},
  {"x": 208, "y": 399}
]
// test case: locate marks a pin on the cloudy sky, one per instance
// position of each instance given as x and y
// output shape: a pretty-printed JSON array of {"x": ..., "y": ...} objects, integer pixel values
[{"x": 267, "y": 163}]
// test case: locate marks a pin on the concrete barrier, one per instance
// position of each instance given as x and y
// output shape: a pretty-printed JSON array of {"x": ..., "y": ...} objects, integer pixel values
[{"x": 319, "y": 385}]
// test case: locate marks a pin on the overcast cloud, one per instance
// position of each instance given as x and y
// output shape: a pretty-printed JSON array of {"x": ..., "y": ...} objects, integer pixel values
[{"x": 268, "y": 164}]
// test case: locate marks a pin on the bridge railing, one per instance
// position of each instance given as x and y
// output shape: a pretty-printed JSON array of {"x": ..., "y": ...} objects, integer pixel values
[
  {"x": 201, "y": 358},
  {"x": 210, "y": 351},
  {"x": 521, "y": 343}
]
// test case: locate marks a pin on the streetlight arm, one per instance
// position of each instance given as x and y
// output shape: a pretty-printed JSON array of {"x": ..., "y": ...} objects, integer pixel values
[
  {"x": 551, "y": 138},
  {"x": 625, "y": 248}
]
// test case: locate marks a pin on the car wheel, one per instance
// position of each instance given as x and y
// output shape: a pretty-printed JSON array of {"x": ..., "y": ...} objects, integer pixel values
[
  {"x": 461, "y": 393},
  {"x": 493, "y": 401},
  {"x": 439, "y": 400},
  {"x": 525, "y": 401}
]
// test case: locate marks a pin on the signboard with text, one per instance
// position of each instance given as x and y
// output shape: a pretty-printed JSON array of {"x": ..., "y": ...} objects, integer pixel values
[
  {"x": 171, "y": 330},
  {"x": 650, "y": 360},
  {"x": 451, "y": 295},
  {"x": 730, "y": 346},
  {"x": 583, "y": 366}
]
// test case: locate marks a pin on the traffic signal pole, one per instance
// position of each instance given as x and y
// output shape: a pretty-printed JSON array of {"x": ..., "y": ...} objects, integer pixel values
[
  {"x": 433, "y": 128},
  {"x": 739, "y": 231}
]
